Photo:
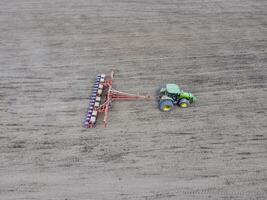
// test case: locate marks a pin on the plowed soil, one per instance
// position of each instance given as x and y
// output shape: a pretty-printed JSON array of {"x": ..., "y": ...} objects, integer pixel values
[{"x": 50, "y": 53}]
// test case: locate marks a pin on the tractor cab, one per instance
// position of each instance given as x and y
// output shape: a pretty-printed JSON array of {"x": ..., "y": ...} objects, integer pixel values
[{"x": 173, "y": 91}]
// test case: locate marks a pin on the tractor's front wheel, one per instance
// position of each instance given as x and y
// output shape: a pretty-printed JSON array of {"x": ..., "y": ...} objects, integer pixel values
[
  {"x": 166, "y": 105},
  {"x": 183, "y": 103}
]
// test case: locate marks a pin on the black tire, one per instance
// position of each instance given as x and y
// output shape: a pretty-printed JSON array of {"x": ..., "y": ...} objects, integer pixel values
[
  {"x": 166, "y": 105},
  {"x": 183, "y": 103}
]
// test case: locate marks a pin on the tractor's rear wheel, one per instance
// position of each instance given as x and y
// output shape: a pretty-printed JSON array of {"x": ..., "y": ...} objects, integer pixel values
[
  {"x": 166, "y": 105},
  {"x": 183, "y": 103}
]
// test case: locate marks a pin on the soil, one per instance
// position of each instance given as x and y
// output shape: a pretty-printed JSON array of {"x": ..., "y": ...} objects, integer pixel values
[{"x": 50, "y": 53}]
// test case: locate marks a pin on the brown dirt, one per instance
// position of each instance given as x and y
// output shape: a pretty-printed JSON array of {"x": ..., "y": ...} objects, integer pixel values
[{"x": 50, "y": 53}]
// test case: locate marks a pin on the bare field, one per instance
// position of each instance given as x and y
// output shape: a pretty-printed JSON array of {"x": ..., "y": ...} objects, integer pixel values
[{"x": 50, "y": 53}]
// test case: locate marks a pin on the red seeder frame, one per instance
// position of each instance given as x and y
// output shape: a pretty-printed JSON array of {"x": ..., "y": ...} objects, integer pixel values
[{"x": 114, "y": 95}]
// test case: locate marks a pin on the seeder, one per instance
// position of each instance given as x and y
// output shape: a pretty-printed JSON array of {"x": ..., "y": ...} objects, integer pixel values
[{"x": 102, "y": 96}]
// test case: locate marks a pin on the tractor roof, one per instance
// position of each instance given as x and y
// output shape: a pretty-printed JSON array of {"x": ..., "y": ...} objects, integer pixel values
[{"x": 173, "y": 88}]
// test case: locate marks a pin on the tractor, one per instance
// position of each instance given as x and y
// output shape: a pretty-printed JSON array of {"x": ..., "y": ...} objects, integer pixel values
[{"x": 171, "y": 95}]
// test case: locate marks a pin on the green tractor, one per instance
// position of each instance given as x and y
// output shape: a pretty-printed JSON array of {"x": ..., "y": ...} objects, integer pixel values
[{"x": 171, "y": 95}]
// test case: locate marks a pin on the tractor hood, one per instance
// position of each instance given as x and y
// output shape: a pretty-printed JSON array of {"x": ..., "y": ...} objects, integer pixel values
[{"x": 173, "y": 89}]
